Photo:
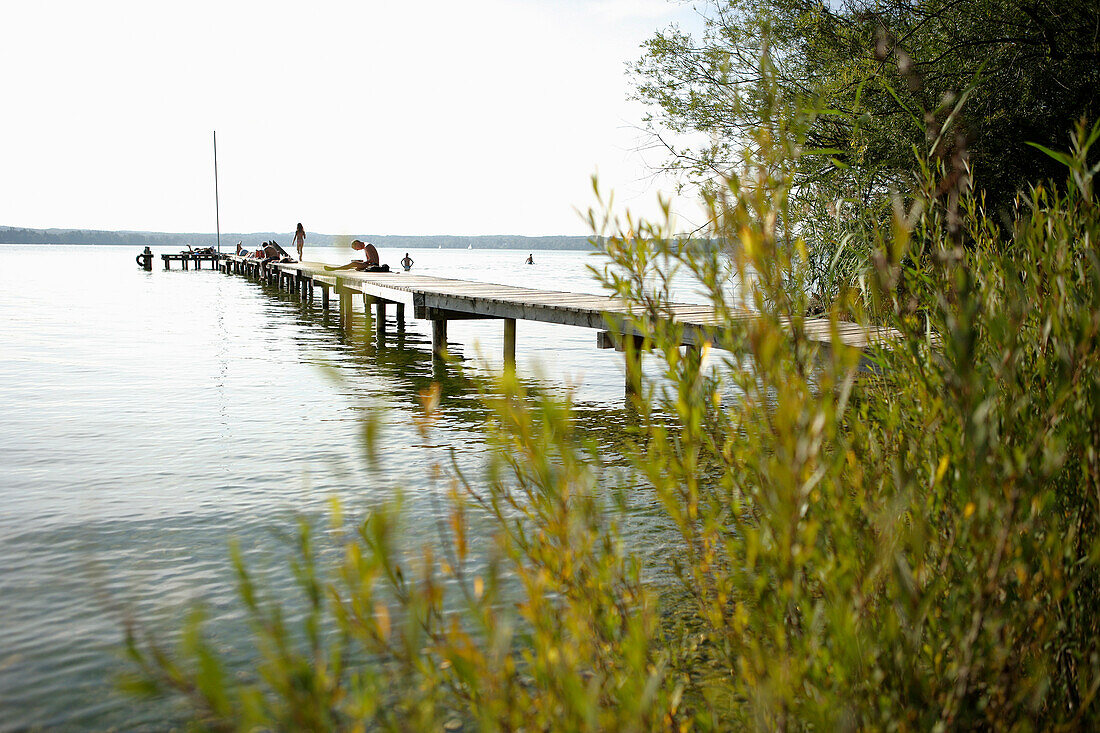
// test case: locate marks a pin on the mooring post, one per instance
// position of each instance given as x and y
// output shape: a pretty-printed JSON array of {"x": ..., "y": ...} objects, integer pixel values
[
  {"x": 439, "y": 337},
  {"x": 510, "y": 343}
]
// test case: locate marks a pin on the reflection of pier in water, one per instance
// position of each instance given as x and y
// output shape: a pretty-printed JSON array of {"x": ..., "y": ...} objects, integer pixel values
[
  {"x": 440, "y": 300},
  {"x": 402, "y": 361}
]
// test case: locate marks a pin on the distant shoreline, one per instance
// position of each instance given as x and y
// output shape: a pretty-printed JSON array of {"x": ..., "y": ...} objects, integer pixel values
[{"x": 20, "y": 235}]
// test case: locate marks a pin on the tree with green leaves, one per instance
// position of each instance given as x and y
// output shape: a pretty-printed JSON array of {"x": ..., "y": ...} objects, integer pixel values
[{"x": 969, "y": 82}]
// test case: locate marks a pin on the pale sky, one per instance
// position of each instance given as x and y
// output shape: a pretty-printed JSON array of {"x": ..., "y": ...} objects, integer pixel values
[{"x": 428, "y": 117}]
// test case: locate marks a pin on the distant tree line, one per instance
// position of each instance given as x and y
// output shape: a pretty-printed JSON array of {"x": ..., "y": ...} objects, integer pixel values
[{"x": 16, "y": 235}]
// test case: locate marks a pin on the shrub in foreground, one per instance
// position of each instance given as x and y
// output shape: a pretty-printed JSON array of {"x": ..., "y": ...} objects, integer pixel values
[{"x": 910, "y": 543}]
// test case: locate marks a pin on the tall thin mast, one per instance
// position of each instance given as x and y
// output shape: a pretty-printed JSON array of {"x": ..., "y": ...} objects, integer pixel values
[{"x": 217, "y": 212}]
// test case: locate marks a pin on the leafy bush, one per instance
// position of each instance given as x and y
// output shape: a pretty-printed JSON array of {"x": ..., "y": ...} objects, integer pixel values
[{"x": 904, "y": 536}]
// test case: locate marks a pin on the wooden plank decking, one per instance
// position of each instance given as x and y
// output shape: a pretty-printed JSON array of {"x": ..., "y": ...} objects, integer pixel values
[
  {"x": 186, "y": 257},
  {"x": 441, "y": 299}
]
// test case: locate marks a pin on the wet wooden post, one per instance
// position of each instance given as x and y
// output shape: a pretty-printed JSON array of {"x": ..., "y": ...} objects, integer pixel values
[
  {"x": 633, "y": 352},
  {"x": 380, "y": 318},
  {"x": 324, "y": 296},
  {"x": 510, "y": 343},
  {"x": 367, "y": 301},
  {"x": 439, "y": 337},
  {"x": 400, "y": 317},
  {"x": 345, "y": 308}
]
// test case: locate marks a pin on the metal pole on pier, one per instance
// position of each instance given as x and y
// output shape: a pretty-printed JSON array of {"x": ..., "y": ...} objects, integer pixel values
[{"x": 217, "y": 212}]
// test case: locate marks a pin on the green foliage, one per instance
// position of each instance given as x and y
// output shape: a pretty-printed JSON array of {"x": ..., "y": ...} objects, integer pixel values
[
  {"x": 902, "y": 537},
  {"x": 885, "y": 72},
  {"x": 972, "y": 83}
]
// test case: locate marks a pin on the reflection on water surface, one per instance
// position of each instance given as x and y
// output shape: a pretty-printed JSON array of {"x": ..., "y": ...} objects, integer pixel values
[{"x": 146, "y": 418}]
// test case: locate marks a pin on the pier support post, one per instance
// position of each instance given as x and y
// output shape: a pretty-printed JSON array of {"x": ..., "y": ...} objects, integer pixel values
[
  {"x": 367, "y": 301},
  {"x": 633, "y": 353},
  {"x": 324, "y": 296},
  {"x": 380, "y": 318},
  {"x": 510, "y": 343},
  {"x": 400, "y": 317},
  {"x": 345, "y": 309},
  {"x": 439, "y": 337}
]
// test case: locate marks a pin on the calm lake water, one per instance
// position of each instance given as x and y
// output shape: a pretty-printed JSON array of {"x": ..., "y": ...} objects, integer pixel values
[{"x": 148, "y": 417}]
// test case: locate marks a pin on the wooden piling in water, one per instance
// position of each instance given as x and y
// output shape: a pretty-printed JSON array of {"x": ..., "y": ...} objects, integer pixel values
[
  {"x": 510, "y": 343},
  {"x": 439, "y": 337}
]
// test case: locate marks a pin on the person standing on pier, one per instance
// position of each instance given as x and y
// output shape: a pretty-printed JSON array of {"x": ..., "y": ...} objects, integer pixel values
[
  {"x": 300, "y": 239},
  {"x": 407, "y": 262}
]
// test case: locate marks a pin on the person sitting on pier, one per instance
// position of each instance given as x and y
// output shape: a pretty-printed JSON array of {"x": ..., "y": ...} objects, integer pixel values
[
  {"x": 369, "y": 262},
  {"x": 241, "y": 251},
  {"x": 272, "y": 252}
]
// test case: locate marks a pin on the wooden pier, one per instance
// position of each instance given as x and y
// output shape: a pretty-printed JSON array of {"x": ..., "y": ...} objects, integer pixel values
[
  {"x": 440, "y": 300},
  {"x": 185, "y": 258}
]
